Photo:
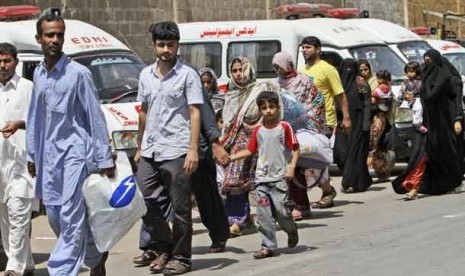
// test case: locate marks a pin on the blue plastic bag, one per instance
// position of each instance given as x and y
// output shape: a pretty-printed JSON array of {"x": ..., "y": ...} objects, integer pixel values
[{"x": 294, "y": 111}]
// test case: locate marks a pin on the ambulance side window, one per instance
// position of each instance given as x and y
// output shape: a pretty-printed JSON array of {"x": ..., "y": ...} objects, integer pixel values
[
  {"x": 202, "y": 55},
  {"x": 260, "y": 54},
  {"x": 28, "y": 69}
]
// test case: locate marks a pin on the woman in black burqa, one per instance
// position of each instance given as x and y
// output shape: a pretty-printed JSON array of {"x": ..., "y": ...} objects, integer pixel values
[
  {"x": 442, "y": 146},
  {"x": 351, "y": 151}
]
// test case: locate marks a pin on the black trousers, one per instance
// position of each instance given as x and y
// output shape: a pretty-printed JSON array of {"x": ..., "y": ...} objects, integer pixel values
[
  {"x": 166, "y": 186},
  {"x": 209, "y": 202}
]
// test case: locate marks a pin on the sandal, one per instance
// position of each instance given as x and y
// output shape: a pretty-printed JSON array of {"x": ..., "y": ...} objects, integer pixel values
[
  {"x": 157, "y": 265},
  {"x": 145, "y": 258},
  {"x": 292, "y": 238},
  {"x": 217, "y": 247},
  {"x": 176, "y": 267},
  {"x": 326, "y": 201},
  {"x": 409, "y": 196},
  {"x": 263, "y": 253}
]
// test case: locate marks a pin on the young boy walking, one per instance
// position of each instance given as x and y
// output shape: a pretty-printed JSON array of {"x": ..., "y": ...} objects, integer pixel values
[{"x": 275, "y": 143}]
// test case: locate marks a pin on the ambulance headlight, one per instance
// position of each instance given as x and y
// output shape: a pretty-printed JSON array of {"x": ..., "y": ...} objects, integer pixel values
[{"x": 125, "y": 139}]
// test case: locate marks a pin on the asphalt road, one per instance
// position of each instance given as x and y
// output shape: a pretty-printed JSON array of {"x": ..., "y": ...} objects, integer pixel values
[{"x": 371, "y": 233}]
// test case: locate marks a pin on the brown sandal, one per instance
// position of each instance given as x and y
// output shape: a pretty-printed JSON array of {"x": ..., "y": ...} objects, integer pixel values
[
  {"x": 159, "y": 263},
  {"x": 145, "y": 258},
  {"x": 326, "y": 201},
  {"x": 263, "y": 253}
]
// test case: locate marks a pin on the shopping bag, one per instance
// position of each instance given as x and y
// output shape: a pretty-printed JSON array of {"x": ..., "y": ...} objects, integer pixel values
[
  {"x": 113, "y": 205},
  {"x": 315, "y": 149},
  {"x": 294, "y": 111}
]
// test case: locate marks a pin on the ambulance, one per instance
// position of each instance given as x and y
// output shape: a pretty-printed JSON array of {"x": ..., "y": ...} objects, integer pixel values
[
  {"x": 454, "y": 52},
  {"x": 406, "y": 44},
  {"x": 114, "y": 66},
  {"x": 215, "y": 44}
]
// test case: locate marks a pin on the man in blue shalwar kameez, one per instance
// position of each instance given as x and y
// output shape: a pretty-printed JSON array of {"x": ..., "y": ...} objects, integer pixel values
[{"x": 67, "y": 141}]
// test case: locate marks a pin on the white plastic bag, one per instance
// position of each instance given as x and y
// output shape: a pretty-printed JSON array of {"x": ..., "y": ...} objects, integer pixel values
[
  {"x": 113, "y": 205},
  {"x": 315, "y": 149}
]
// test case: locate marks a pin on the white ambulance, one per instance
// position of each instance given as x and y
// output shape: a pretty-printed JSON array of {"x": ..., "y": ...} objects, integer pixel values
[
  {"x": 454, "y": 52},
  {"x": 215, "y": 44},
  {"x": 405, "y": 43},
  {"x": 114, "y": 66}
]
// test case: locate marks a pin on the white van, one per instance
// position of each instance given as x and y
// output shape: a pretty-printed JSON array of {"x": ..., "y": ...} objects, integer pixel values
[
  {"x": 405, "y": 43},
  {"x": 114, "y": 66},
  {"x": 215, "y": 44},
  {"x": 454, "y": 52}
]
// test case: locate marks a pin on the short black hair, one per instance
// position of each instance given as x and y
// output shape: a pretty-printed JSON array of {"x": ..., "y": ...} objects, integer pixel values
[
  {"x": 383, "y": 74},
  {"x": 311, "y": 40},
  {"x": 8, "y": 49},
  {"x": 267, "y": 96},
  {"x": 165, "y": 30},
  {"x": 413, "y": 66},
  {"x": 49, "y": 15}
]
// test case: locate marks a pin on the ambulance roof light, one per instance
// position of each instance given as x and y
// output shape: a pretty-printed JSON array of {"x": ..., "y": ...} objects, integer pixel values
[{"x": 20, "y": 12}]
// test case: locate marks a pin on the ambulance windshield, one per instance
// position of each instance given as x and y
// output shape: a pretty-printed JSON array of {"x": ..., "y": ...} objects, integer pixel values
[
  {"x": 414, "y": 50},
  {"x": 380, "y": 57},
  {"x": 115, "y": 73},
  {"x": 458, "y": 60}
]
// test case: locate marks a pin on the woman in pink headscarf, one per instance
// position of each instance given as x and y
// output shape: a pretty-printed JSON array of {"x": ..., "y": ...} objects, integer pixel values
[{"x": 303, "y": 88}]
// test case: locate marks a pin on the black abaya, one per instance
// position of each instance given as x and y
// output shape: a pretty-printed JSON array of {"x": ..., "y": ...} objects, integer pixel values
[
  {"x": 351, "y": 151},
  {"x": 444, "y": 150}
]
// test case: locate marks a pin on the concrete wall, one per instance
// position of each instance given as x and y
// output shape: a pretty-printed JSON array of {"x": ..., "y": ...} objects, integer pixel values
[{"x": 128, "y": 20}]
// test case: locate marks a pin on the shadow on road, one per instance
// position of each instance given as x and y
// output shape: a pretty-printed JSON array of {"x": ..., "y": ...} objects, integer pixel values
[
  {"x": 338, "y": 203},
  {"x": 297, "y": 249},
  {"x": 320, "y": 214},
  {"x": 40, "y": 257},
  {"x": 212, "y": 263},
  {"x": 40, "y": 272},
  {"x": 376, "y": 189},
  {"x": 199, "y": 231},
  {"x": 302, "y": 225},
  {"x": 200, "y": 250}
]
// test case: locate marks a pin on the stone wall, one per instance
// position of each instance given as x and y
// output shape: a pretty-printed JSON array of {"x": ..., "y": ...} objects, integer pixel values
[
  {"x": 129, "y": 20},
  {"x": 416, "y": 17}
]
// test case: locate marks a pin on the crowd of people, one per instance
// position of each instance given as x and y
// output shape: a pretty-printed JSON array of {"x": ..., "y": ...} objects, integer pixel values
[{"x": 218, "y": 147}]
